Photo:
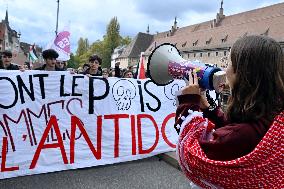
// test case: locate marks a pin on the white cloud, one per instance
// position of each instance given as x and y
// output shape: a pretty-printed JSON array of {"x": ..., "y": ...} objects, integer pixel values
[{"x": 36, "y": 19}]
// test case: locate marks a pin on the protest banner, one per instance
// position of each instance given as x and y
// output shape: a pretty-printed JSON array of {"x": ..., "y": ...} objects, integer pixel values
[{"x": 52, "y": 121}]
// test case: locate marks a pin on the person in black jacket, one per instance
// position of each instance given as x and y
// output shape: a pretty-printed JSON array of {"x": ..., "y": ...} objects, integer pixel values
[
  {"x": 95, "y": 70},
  {"x": 50, "y": 56},
  {"x": 117, "y": 71},
  {"x": 6, "y": 62}
]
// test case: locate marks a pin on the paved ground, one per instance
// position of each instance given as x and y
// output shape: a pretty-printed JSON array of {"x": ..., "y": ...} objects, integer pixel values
[{"x": 147, "y": 173}]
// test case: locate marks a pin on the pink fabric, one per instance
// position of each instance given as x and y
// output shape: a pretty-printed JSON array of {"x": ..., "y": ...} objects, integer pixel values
[{"x": 262, "y": 168}]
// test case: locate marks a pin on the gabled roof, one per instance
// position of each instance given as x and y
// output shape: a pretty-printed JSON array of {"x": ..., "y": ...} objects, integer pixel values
[
  {"x": 26, "y": 48},
  {"x": 139, "y": 44},
  {"x": 264, "y": 21}
]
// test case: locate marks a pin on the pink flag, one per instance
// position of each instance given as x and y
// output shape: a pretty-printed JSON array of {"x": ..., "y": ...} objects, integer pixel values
[
  {"x": 61, "y": 44},
  {"x": 62, "y": 41}
]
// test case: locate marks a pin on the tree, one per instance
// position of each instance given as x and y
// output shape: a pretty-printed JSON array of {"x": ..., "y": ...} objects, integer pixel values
[
  {"x": 126, "y": 40},
  {"x": 73, "y": 62},
  {"x": 97, "y": 48},
  {"x": 103, "y": 48},
  {"x": 111, "y": 41},
  {"x": 83, "y": 46}
]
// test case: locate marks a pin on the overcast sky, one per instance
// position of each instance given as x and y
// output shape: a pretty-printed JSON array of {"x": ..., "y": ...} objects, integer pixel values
[{"x": 36, "y": 19}]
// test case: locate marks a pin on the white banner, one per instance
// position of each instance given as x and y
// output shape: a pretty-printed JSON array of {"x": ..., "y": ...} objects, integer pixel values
[{"x": 52, "y": 121}]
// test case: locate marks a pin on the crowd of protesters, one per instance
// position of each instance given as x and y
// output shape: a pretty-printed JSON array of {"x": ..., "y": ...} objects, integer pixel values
[{"x": 92, "y": 68}]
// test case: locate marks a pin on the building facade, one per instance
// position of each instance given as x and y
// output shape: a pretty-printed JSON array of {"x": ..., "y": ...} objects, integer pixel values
[
  {"x": 10, "y": 40},
  {"x": 131, "y": 54},
  {"x": 116, "y": 53},
  {"x": 210, "y": 41}
]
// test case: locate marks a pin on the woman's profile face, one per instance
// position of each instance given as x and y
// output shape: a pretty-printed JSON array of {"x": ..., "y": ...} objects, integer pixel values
[{"x": 230, "y": 74}]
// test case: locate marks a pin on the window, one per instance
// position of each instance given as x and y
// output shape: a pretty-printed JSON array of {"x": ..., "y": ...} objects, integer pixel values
[
  {"x": 225, "y": 53},
  {"x": 266, "y": 32},
  {"x": 194, "y": 55},
  {"x": 200, "y": 54},
  {"x": 223, "y": 40},
  {"x": 217, "y": 53},
  {"x": 195, "y": 43},
  {"x": 209, "y": 54},
  {"x": 188, "y": 55},
  {"x": 208, "y": 41}
]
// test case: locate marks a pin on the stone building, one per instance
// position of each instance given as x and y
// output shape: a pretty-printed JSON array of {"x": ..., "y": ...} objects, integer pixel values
[
  {"x": 10, "y": 40},
  {"x": 116, "y": 53},
  {"x": 211, "y": 41},
  {"x": 131, "y": 54}
]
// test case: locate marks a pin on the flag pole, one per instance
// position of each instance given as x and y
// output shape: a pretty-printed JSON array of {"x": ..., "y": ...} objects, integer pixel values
[{"x": 56, "y": 31}]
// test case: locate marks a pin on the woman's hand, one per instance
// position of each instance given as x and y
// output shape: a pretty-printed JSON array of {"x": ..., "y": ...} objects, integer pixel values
[{"x": 194, "y": 88}]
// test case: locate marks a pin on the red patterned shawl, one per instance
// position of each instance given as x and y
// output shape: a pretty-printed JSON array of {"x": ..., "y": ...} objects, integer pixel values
[{"x": 262, "y": 168}]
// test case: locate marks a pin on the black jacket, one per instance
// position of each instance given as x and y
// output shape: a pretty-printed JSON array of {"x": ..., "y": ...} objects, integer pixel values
[
  {"x": 10, "y": 67},
  {"x": 99, "y": 72},
  {"x": 43, "y": 68}
]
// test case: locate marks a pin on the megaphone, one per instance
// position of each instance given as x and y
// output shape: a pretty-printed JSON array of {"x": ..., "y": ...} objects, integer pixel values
[{"x": 165, "y": 64}]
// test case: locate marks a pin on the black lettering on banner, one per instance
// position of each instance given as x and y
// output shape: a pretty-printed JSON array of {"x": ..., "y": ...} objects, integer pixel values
[
  {"x": 152, "y": 95},
  {"x": 91, "y": 92},
  {"x": 41, "y": 83},
  {"x": 21, "y": 86},
  {"x": 141, "y": 96},
  {"x": 171, "y": 89},
  {"x": 62, "y": 78},
  {"x": 123, "y": 91},
  {"x": 74, "y": 85},
  {"x": 15, "y": 91}
]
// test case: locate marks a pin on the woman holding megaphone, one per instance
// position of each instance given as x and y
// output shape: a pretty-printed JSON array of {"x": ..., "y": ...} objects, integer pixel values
[{"x": 242, "y": 148}]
